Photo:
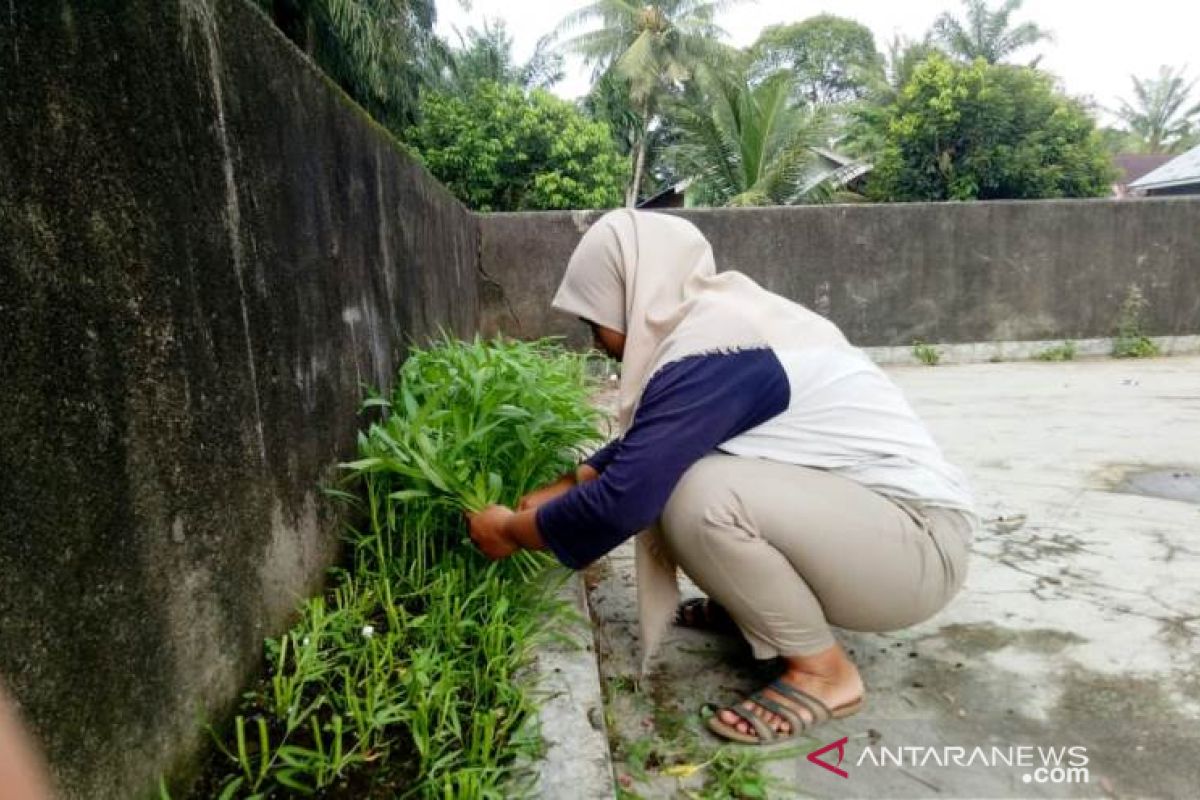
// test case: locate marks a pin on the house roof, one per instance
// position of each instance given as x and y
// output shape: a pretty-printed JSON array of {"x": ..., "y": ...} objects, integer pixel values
[
  {"x": 1179, "y": 171},
  {"x": 1134, "y": 165}
]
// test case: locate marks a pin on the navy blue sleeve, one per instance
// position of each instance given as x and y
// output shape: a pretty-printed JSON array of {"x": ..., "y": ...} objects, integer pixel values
[
  {"x": 600, "y": 459},
  {"x": 687, "y": 410}
]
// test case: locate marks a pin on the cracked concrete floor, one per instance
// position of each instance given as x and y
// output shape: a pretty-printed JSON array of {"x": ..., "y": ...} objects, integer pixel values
[{"x": 1079, "y": 624}]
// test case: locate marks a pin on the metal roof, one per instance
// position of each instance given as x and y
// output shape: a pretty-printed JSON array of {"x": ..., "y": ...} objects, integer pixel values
[{"x": 1184, "y": 169}]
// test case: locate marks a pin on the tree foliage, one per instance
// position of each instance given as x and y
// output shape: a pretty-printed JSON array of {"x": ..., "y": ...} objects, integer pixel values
[
  {"x": 832, "y": 59},
  {"x": 651, "y": 47},
  {"x": 746, "y": 144},
  {"x": 381, "y": 52},
  {"x": 1160, "y": 118},
  {"x": 864, "y": 122},
  {"x": 487, "y": 55},
  {"x": 499, "y": 148},
  {"x": 985, "y": 33},
  {"x": 980, "y": 131}
]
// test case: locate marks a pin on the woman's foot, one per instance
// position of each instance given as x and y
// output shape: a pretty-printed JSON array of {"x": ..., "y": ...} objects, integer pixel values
[
  {"x": 705, "y": 614},
  {"x": 823, "y": 686}
]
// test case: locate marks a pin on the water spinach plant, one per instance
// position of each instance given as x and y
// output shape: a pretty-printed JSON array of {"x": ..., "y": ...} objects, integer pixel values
[{"x": 403, "y": 681}]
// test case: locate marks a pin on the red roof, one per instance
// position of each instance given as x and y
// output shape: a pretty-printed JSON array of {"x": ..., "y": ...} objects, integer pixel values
[{"x": 1134, "y": 165}]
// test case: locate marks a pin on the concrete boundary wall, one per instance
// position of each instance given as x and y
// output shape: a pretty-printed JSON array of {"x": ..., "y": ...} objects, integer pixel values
[
  {"x": 205, "y": 250},
  {"x": 891, "y": 274}
]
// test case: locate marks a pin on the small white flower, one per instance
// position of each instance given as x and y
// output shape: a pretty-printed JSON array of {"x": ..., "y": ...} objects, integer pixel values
[
  {"x": 612, "y": 377},
  {"x": 305, "y": 641},
  {"x": 368, "y": 631}
]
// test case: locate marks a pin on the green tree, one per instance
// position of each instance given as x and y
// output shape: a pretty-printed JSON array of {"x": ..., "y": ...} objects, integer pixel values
[
  {"x": 1160, "y": 118},
  {"x": 653, "y": 47},
  {"x": 832, "y": 58},
  {"x": 865, "y": 126},
  {"x": 985, "y": 33},
  {"x": 502, "y": 149},
  {"x": 381, "y": 52},
  {"x": 747, "y": 144},
  {"x": 987, "y": 132},
  {"x": 487, "y": 55}
]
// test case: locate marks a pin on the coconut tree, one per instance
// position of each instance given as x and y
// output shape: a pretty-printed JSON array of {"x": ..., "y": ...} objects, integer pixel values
[
  {"x": 487, "y": 55},
  {"x": 380, "y": 51},
  {"x": 1159, "y": 117},
  {"x": 748, "y": 144},
  {"x": 652, "y": 46},
  {"x": 985, "y": 33}
]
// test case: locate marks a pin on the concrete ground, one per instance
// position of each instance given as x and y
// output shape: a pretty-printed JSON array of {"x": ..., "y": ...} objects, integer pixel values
[{"x": 1079, "y": 624}]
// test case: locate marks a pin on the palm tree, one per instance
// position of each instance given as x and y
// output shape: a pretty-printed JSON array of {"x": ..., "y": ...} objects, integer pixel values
[
  {"x": 487, "y": 55},
  {"x": 746, "y": 144},
  {"x": 1159, "y": 117},
  {"x": 985, "y": 33},
  {"x": 652, "y": 46},
  {"x": 380, "y": 51}
]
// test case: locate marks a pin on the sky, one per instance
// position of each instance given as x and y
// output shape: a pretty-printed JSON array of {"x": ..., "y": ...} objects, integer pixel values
[{"x": 1098, "y": 44}]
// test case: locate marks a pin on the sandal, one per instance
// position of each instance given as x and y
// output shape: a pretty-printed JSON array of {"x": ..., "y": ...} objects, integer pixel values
[
  {"x": 703, "y": 614},
  {"x": 766, "y": 734}
]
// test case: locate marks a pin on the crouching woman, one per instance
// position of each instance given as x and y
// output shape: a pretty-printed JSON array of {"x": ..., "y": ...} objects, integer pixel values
[{"x": 762, "y": 454}]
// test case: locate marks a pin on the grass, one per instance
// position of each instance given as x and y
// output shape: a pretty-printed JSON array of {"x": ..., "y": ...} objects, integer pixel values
[
  {"x": 1062, "y": 352},
  {"x": 927, "y": 354},
  {"x": 404, "y": 681},
  {"x": 1131, "y": 341}
]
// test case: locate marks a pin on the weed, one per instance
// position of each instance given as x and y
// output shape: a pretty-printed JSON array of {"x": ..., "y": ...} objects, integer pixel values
[
  {"x": 927, "y": 354},
  {"x": 735, "y": 773},
  {"x": 1062, "y": 352},
  {"x": 402, "y": 681},
  {"x": 1131, "y": 341}
]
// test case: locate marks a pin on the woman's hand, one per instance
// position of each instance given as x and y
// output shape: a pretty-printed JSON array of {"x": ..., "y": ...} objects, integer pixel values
[{"x": 490, "y": 532}]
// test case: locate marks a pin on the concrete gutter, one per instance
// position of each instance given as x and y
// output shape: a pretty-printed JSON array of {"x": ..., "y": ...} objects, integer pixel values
[{"x": 576, "y": 762}]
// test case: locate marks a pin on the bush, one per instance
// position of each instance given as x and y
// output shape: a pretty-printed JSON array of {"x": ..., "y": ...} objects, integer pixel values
[
  {"x": 501, "y": 149},
  {"x": 987, "y": 132}
]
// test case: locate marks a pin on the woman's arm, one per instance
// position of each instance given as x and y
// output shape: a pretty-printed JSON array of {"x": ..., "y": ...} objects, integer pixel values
[
  {"x": 540, "y": 496},
  {"x": 499, "y": 532},
  {"x": 688, "y": 409}
]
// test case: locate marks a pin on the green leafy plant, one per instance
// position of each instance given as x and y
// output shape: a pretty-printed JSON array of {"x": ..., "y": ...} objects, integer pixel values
[
  {"x": 1131, "y": 341},
  {"x": 927, "y": 354},
  {"x": 985, "y": 132},
  {"x": 403, "y": 681},
  {"x": 736, "y": 773},
  {"x": 500, "y": 148},
  {"x": 1061, "y": 352}
]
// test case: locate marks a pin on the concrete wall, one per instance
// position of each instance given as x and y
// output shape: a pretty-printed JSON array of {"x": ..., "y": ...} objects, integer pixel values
[
  {"x": 204, "y": 249},
  {"x": 889, "y": 274}
]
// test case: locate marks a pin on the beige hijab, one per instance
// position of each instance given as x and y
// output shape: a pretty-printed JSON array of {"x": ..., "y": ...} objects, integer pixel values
[{"x": 653, "y": 278}]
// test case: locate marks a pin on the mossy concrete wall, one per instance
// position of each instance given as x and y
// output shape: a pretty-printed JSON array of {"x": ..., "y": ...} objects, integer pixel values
[
  {"x": 205, "y": 251},
  {"x": 889, "y": 274}
]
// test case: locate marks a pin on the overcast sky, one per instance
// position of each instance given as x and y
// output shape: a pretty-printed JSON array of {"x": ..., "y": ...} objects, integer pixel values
[{"x": 1097, "y": 44}]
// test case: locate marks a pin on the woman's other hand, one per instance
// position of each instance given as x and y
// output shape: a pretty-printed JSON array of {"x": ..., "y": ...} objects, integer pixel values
[
  {"x": 542, "y": 495},
  {"x": 489, "y": 532}
]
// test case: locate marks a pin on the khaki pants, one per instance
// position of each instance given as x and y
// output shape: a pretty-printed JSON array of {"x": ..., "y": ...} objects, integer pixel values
[{"x": 789, "y": 550}]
